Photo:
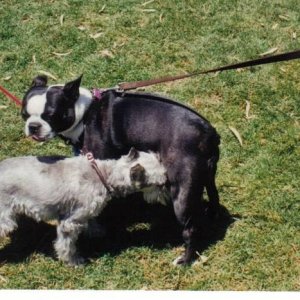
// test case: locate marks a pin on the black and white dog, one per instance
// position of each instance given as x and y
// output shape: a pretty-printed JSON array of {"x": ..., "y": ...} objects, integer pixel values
[{"x": 187, "y": 143}]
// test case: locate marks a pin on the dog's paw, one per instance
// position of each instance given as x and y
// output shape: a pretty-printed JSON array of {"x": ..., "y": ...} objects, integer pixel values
[
  {"x": 186, "y": 259},
  {"x": 179, "y": 261}
]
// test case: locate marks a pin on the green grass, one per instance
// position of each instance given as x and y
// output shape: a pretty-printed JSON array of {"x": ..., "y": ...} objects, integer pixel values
[{"x": 258, "y": 182}]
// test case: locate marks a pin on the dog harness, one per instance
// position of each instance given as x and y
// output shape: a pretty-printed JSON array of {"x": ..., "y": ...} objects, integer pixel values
[{"x": 91, "y": 159}]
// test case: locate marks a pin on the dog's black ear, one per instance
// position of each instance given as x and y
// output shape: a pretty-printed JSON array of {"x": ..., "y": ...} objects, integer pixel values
[
  {"x": 39, "y": 81},
  {"x": 138, "y": 174},
  {"x": 71, "y": 89},
  {"x": 133, "y": 154}
]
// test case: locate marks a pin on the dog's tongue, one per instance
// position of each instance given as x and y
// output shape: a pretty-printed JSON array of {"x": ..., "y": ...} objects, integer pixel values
[{"x": 37, "y": 138}]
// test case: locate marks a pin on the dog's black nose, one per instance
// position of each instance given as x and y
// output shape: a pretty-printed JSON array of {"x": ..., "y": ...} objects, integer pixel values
[{"x": 34, "y": 127}]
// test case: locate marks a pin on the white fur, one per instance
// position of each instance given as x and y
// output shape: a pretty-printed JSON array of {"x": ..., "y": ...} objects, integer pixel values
[
  {"x": 45, "y": 131},
  {"x": 154, "y": 194},
  {"x": 81, "y": 106},
  {"x": 68, "y": 190},
  {"x": 36, "y": 106}
]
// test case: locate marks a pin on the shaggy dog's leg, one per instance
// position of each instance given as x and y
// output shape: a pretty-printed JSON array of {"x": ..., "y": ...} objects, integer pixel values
[{"x": 65, "y": 244}]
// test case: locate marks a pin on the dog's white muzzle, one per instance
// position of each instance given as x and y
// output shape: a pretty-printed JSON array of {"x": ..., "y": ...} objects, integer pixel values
[{"x": 38, "y": 129}]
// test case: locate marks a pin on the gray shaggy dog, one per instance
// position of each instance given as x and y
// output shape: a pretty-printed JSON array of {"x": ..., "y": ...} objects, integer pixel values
[{"x": 69, "y": 190}]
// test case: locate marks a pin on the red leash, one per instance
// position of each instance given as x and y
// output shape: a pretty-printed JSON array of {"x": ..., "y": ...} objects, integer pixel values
[{"x": 10, "y": 96}]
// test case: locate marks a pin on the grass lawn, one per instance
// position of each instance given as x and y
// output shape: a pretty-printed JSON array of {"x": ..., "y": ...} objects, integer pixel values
[{"x": 258, "y": 246}]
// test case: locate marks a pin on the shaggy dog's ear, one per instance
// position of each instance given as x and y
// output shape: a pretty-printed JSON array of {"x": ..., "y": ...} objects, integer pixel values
[
  {"x": 137, "y": 174},
  {"x": 133, "y": 154},
  {"x": 71, "y": 89},
  {"x": 39, "y": 81}
]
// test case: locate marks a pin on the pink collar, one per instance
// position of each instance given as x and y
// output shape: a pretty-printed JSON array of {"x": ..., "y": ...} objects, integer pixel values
[{"x": 97, "y": 94}]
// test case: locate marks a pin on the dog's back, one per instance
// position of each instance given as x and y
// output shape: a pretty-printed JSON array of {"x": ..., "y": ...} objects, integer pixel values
[
  {"x": 147, "y": 122},
  {"x": 26, "y": 172}
]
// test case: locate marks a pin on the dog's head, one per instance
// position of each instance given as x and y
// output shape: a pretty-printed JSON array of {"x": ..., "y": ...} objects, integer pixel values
[
  {"x": 52, "y": 110},
  {"x": 140, "y": 170}
]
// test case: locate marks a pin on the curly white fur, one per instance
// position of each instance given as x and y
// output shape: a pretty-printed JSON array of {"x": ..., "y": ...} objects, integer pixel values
[{"x": 69, "y": 190}]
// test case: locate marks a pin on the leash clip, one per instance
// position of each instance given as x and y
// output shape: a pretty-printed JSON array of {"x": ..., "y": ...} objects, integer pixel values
[{"x": 119, "y": 88}]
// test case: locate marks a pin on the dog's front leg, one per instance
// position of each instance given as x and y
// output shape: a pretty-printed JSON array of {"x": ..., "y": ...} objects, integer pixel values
[{"x": 65, "y": 244}]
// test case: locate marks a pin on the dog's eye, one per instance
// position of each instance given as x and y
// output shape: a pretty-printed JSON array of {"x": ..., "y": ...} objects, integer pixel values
[{"x": 25, "y": 115}]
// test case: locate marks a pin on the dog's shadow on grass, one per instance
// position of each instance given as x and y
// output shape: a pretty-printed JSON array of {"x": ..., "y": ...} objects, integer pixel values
[
  {"x": 128, "y": 222},
  {"x": 30, "y": 237}
]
